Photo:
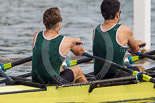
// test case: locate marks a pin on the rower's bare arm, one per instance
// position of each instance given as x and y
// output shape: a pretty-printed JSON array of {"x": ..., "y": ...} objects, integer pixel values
[
  {"x": 34, "y": 38},
  {"x": 93, "y": 34},
  {"x": 77, "y": 49},
  {"x": 133, "y": 45},
  {"x": 69, "y": 44}
]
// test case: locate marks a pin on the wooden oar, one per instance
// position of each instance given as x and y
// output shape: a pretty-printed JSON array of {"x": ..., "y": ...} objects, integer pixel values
[
  {"x": 127, "y": 70},
  {"x": 12, "y": 64}
]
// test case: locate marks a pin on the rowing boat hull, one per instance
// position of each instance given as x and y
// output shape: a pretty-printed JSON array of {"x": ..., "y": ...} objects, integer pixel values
[{"x": 77, "y": 93}]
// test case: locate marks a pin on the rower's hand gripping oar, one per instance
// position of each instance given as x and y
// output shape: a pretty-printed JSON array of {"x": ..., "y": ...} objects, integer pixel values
[
  {"x": 132, "y": 59},
  {"x": 70, "y": 63},
  {"x": 139, "y": 54},
  {"x": 7, "y": 66},
  {"x": 114, "y": 65},
  {"x": 144, "y": 55}
]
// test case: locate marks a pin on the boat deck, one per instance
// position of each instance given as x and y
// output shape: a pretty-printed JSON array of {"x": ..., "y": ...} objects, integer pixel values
[{"x": 18, "y": 89}]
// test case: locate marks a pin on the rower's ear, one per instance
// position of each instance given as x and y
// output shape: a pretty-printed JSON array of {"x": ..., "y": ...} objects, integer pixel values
[
  {"x": 117, "y": 15},
  {"x": 59, "y": 25}
]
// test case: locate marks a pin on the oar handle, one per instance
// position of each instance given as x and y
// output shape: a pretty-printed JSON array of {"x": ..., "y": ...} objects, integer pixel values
[
  {"x": 76, "y": 62},
  {"x": 142, "y": 45},
  {"x": 12, "y": 64},
  {"x": 139, "y": 56}
]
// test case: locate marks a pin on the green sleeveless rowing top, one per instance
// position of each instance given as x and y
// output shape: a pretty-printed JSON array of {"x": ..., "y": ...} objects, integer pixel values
[
  {"x": 106, "y": 46},
  {"x": 46, "y": 59}
]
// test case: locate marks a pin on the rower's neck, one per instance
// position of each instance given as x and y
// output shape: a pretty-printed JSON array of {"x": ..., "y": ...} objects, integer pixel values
[
  {"x": 110, "y": 22},
  {"x": 51, "y": 33}
]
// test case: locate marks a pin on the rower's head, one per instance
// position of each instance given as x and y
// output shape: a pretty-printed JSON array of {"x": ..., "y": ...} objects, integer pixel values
[
  {"x": 110, "y": 10},
  {"x": 52, "y": 19}
]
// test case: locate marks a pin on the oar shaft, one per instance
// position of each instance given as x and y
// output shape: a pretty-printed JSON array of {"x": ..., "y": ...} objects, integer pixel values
[
  {"x": 25, "y": 75},
  {"x": 151, "y": 69},
  {"x": 128, "y": 64},
  {"x": 109, "y": 63},
  {"x": 148, "y": 56},
  {"x": 10, "y": 65},
  {"x": 21, "y": 61},
  {"x": 114, "y": 65},
  {"x": 6, "y": 76},
  {"x": 149, "y": 53},
  {"x": 83, "y": 60},
  {"x": 20, "y": 77}
]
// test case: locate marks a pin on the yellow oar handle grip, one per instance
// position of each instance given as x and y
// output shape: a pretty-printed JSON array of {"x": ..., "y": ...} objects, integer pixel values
[
  {"x": 132, "y": 59},
  {"x": 144, "y": 77},
  {"x": 71, "y": 63},
  {"x": 6, "y": 66}
]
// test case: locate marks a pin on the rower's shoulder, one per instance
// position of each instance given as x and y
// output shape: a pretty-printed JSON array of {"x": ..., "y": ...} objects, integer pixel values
[
  {"x": 68, "y": 38},
  {"x": 125, "y": 29},
  {"x": 36, "y": 33}
]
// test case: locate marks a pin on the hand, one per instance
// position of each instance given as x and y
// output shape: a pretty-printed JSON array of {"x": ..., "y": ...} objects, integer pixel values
[
  {"x": 140, "y": 42},
  {"x": 141, "y": 69},
  {"x": 78, "y": 50},
  {"x": 133, "y": 54},
  {"x": 77, "y": 41}
]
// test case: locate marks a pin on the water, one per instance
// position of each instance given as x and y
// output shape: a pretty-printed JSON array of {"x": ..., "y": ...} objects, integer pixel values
[{"x": 19, "y": 19}]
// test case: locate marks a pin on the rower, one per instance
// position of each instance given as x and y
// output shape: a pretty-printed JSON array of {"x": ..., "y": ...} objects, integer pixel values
[
  {"x": 111, "y": 41},
  {"x": 50, "y": 50}
]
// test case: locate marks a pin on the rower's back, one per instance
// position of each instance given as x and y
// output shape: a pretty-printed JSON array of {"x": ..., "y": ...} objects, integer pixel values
[
  {"x": 106, "y": 41},
  {"x": 106, "y": 46}
]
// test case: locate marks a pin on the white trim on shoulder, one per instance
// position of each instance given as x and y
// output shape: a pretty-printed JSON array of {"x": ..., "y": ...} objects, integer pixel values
[
  {"x": 94, "y": 32},
  {"x": 60, "y": 47},
  {"x": 118, "y": 42},
  {"x": 51, "y": 38},
  {"x": 35, "y": 40},
  {"x": 108, "y": 29}
]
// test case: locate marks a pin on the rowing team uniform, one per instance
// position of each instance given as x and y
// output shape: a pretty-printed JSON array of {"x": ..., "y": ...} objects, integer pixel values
[
  {"x": 47, "y": 59},
  {"x": 106, "y": 46}
]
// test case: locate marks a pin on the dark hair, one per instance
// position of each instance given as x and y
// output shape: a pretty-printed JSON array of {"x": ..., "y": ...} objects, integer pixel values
[
  {"x": 109, "y": 8},
  {"x": 51, "y": 17}
]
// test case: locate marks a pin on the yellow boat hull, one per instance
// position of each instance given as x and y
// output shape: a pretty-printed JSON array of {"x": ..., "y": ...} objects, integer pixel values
[{"x": 76, "y": 93}]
